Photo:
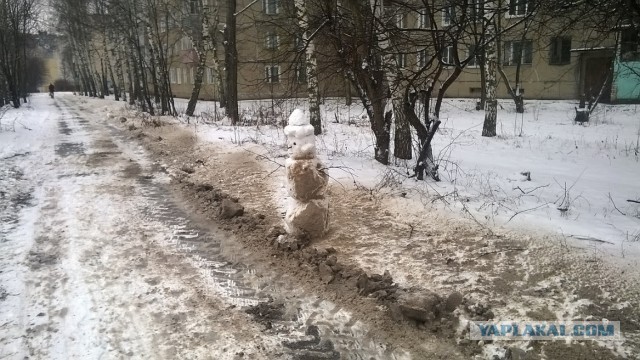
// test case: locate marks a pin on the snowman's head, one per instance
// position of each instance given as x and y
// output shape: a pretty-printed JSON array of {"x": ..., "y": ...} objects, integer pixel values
[
  {"x": 300, "y": 137},
  {"x": 298, "y": 118}
]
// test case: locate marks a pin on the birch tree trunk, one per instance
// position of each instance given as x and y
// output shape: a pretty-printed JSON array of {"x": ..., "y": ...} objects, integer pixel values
[
  {"x": 402, "y": 130},
  {"x": 311, "y": 67},
  {"x": 347, "y": 93},
  {"x": 108, "y": 68},
  {"x": 402, "y": 137},
  {"x": 136, "y": 95},
  {"x": 116, "y": 88},
  {"x": 157, "y": 69},
  {"x": 104, "y": 85},
  {"x": 197, "y": 81},
  {"x": 132, "y": 82},
  {"x": 231, "y": 63},
  {"x": 119, "y": 72},
  {"x": 219, "y": 80},
  {"x": 200, "y": 44},
  {"x": 151, "y": 63},
  {"x": 491, "y": 79},
  {"x": 156, "y": 41},
  {"x": 145, "y": 100},
  {"x": 210, "y": 26}
]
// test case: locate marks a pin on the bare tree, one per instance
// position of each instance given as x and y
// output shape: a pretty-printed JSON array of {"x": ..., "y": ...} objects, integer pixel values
[
  {"x": 17, "y": 19},
  {"x": 354, "y": 37}
]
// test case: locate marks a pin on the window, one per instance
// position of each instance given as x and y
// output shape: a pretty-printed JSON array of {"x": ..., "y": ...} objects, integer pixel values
[
  {"x": 447, "y": 55},
  {"x": 271, "y": 7},
  {"x": 422, "y": 58},
  {"x": 271, "y": 41},
  {"x": 423, "y": 19},
  {"x": 560, "y": 51},
  {"x": 192, "y": 79},
  {"x": 448, "y": 14},
  {"x": 629, "y": 45},
  {"x": 185, "y": 43},
  {"x": 399, "y": 20},
  {"x": 517, "y": 52},
  {"x": 211, "y": 78},
  {"x": 178, "y": 76},
  {"x": 301, "y": 73},
  {"x": 272, "y": 74},
  {"x": 476, "y": 9},
  {"x": 194, "y": 6},
  {"x": 519, "y": 7},
  {"x": 172, "y": 76},
  {"x": 474, "y": 58},
  {"x": 401, "y": 60}
]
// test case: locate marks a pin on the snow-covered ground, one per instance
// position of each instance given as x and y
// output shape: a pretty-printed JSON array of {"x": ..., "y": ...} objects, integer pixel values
[
  {"x": 581, "y": 177},
  {"x": 83, "y": 185}
]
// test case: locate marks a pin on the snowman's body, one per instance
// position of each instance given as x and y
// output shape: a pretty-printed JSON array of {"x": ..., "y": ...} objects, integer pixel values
[{"x": 308, "y": 209}]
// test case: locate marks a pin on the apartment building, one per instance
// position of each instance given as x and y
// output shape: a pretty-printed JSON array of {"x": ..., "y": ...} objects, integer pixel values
[{"x": 553, "y": 61}]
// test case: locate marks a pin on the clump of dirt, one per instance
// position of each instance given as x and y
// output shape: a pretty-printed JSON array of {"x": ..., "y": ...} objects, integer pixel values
[
  {"x": 187, "y": 169},
  {"x": 230, "y": 209},
  {"x": 3, "y": 293}
]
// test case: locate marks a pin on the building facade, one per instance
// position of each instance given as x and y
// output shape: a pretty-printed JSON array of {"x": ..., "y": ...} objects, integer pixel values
[{"x": 551, "y": 62}]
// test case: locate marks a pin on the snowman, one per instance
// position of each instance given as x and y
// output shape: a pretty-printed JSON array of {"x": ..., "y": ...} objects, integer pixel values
[{"x": 308, "y": 208}]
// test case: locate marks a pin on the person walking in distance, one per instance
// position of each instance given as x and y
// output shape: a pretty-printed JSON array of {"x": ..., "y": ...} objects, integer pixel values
[{"x": 51, "y": 89}]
